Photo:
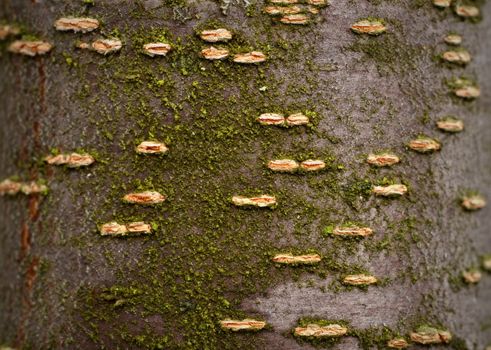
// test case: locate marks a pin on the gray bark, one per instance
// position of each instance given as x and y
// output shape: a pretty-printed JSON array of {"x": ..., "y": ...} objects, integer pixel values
[{"x": 56, "y": 269}]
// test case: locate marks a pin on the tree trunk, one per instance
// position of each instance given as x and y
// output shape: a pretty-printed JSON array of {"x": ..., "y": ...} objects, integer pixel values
[{"x": 65, "y": 286}]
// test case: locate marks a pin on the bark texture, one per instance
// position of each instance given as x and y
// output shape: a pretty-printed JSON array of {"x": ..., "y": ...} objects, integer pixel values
[{"x": 63, "y": 286}]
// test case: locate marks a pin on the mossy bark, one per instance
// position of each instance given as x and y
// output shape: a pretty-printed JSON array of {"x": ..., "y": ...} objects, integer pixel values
[{"x": 64, "y": 286}]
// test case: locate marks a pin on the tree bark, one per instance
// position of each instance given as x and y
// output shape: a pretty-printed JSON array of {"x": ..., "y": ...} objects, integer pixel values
[{"x": 64, "y": 286}]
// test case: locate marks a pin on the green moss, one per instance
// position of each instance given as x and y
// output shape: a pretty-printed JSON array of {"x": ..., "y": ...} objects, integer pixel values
[
  {"x": 425, "y": 118},
  {"x": 329, "y": 229},
  {"x": 417, "y": 4},
  {"x": 355, "y": 190},
  {"x": 460, "y": 82},
  {"x": 458, "y": 343},
  {"x": 385, "y": 51},
  {"x": 45, "y": 266},
  {"x": 373, "y": 337},
  {"x": 368, "y": 338},
  {"x": 121, "y": 295},
  {"x": 206, "y": 256}
]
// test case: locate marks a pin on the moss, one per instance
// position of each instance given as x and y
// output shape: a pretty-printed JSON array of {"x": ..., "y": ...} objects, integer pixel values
[
  {"x": 368, "y": 338},
  {"x": 120, "y": 295},
  {"x": 213, "y": 23},
  {"x": 456, "y": 83},
  {"x": 460, "y": 82},
  {"x": 373, "y": 337},
  {"x": 458, "y": 343},
  {"x": 355, "y": 190},
  {"x": 210, "y": 243},
  {"x": 329, "y": 229},
  {"x": 45, "y": 266},
  {"x": 425, "y": 118},
  {"x": 385, "y": 51},
  {"x": 206, "y": 256},
  {"x": 69, "y": 60},
  {"x": 31, "y": 37},
  {"x": 417, "y": 4}
]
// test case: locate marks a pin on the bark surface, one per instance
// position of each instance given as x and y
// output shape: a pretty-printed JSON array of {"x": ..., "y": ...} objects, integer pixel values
[{"x": 63, "y": 286}]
